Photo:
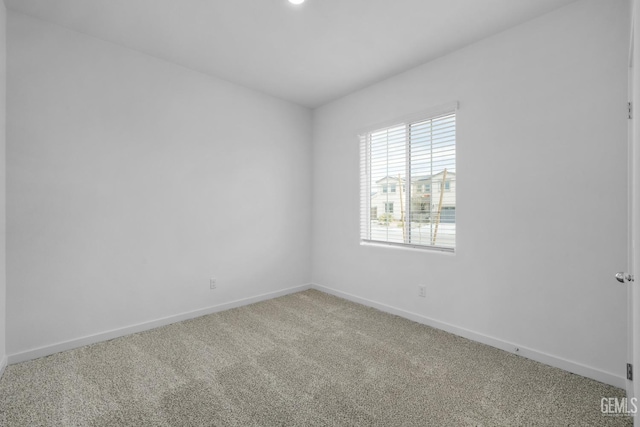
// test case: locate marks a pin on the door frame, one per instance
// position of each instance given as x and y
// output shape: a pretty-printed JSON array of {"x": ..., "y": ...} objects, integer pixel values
[{"x": 633, "y": 262}]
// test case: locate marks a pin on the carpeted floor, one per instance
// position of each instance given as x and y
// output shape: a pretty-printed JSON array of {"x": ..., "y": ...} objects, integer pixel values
[{"x": 307, "y": 359}]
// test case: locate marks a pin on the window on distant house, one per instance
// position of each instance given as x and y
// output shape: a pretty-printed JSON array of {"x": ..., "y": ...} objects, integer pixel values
[
  {"x": 411, "y": 151},
  {"x": 388, "y": 207}
]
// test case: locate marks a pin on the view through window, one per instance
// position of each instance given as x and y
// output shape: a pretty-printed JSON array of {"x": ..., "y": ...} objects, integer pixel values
[{"x": 408, "y": 183}]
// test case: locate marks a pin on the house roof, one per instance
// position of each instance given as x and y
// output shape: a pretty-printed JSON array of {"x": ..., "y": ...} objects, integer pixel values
[
  {"x": 428, "y": 177},
  {"x": 388, "y": 177},
  {"x": 415, "y": 179}
]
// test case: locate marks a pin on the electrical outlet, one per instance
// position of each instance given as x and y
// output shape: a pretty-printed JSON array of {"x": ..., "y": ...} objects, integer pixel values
[
  {"x": 422, "y": 291},
  {"x": 212, "y": 283}
]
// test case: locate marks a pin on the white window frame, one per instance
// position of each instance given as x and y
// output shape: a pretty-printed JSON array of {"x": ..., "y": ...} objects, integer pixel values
[{"x": 365, "y": 179}]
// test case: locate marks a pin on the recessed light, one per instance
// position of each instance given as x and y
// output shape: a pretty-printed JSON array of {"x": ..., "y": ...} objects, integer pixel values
[{"x": 296, "y": 1}]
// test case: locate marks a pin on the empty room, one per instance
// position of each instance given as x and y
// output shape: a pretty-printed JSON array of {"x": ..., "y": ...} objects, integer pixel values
[{"x": 319, "y": 213}]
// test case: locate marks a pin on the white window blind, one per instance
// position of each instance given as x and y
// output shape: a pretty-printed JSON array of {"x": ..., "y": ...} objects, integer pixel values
[{"x": 418, "y": 158}]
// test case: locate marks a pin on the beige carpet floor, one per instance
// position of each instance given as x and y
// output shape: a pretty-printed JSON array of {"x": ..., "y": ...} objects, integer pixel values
[{"x": 307, "y": 359}]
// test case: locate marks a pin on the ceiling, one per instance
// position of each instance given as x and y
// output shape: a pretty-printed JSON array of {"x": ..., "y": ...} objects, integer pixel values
[{"x": 309, "y": 54}]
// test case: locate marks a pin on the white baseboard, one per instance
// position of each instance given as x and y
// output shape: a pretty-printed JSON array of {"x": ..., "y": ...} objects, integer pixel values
[
  {"x": 538, "y": 356},
  {"x": 140, "y": 327},
  {"x": 547, "y": 359},
  {"x": 3, "y": 365}
]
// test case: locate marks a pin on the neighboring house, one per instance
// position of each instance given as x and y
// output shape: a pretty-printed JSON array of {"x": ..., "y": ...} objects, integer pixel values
[
  {"x": 386, "y": 199},
  {"x": 425, "y": 197}
]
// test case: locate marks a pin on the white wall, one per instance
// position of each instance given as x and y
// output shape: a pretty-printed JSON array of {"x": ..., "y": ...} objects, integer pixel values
[
  {"x": 541, "y": 190},
  {"x": 132, "y": 181},
  {"x": 3, "y": 229}
]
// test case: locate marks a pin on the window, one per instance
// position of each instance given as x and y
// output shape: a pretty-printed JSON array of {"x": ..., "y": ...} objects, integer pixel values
[{"x": 411, "y": 153}]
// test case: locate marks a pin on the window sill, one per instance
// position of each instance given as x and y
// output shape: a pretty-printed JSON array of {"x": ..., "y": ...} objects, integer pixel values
[{"x": 413, "y": 248}]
